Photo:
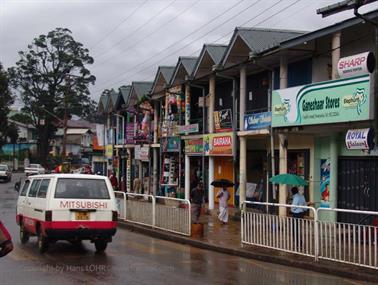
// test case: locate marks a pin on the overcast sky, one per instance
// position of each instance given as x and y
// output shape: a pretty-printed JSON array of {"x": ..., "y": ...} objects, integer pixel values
[{"x": 130, "y": 39}]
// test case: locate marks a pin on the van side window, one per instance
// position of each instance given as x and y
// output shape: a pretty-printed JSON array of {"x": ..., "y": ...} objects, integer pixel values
[
  {"x": 43, "y": 188},
  {"x": 25, "y": 188},
  {"x": 34, "y": 188}
]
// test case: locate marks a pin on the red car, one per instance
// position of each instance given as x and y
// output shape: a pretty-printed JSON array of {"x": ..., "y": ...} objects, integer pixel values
[{"x": 6, "y": 245}]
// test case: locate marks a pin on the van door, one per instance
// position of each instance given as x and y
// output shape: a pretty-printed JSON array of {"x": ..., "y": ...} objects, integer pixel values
[
  {"x": 40, "y": 202},
  {"x": 83, "y": 200},
  {"x": 22, "y": 198},
  {"x": 30, "y": 214}
]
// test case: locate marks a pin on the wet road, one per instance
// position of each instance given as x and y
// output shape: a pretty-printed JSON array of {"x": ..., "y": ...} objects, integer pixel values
[{"x": 136, "y": 259}]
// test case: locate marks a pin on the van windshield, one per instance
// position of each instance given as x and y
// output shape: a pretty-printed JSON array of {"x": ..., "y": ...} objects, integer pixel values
[{"x": 77, "y": 188}]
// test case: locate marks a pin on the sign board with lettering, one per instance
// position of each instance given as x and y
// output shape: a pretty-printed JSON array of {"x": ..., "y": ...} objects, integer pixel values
[
  {"x": 194, "y": 147},
  {"x": 257, "y": 121},
  {"x": 335, "y": 101},
  {"x": 360, "y": 139},
  {"x": 144, "y": 154},
  {"x": 187, "y": 129},
  {"x": 223, "y": 120},
  {"x": 218, "y": 144},
  {"x": 357, "y": 64}
]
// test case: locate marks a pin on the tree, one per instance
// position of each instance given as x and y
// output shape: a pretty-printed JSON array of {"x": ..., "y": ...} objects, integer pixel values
[
  {"x": 6, "y": 99},
  {"x": 53, "y": 81}
]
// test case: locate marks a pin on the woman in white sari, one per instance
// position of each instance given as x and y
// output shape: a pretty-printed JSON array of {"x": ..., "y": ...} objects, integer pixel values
[{"x": 223, "y": 196}]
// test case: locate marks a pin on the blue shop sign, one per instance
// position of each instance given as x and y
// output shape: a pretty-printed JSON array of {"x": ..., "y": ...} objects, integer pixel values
[{"x": 257, "y": 121}]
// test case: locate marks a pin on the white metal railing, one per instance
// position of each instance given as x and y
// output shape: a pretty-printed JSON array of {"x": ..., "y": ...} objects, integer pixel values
[
  {"x": 165, "y": 213},
  {"x": 140, "y": 208},
  {"x": 342, "y": 242},
  {"x": 348, "y": 243},
  {"x": 283, "y": 233},
  {"x": 121, "y": 204},
  {"x": 173, "y": 214}
]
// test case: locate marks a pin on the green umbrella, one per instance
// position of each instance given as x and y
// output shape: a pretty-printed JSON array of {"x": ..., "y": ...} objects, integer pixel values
[{"x": 290, "y": 179}]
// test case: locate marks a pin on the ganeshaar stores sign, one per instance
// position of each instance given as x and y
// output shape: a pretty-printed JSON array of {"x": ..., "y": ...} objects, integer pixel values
[{"x": 342, "y": 100}]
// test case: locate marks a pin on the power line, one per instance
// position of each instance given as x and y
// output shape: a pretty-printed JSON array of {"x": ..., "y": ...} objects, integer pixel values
[
  {"x": 118, "y": 25},
  {"x": 138, "y": 29},
  {"x": 154, "y": 31},
  {"x": 198, "y": 29}
]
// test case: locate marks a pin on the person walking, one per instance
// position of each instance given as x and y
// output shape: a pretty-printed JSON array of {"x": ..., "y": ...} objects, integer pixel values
[
  {"x": 114, "y": 181},
  {"x": 298, "y": 213},
  {"x": 196, "y": 200},
  {"x": 223, "y": 196}
]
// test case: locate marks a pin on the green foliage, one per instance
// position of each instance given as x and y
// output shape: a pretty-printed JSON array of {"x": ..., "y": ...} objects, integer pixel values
[
  {"x": 6, "y": 99},
  {"x": 22, "y": 118},
  {"x": 52, "y": 76}
]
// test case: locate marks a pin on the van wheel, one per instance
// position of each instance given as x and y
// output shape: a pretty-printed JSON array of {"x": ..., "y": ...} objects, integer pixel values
[
  {"x": 43, "y": 242},
  {"x": 24, "y": 235},
  {"x": 100, "y": 245}
]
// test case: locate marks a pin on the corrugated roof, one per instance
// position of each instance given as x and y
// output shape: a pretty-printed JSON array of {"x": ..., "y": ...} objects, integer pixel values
[
  {"x": 167, "y": 72},
  {"x": 258, "y": 39},
  {"x": 59, "y": 132},
  {"x": 215, "y": 52},
  {"x": 188, "y": 63},
  {"x": 114, "y": 95},
  {"x": 125, "y": 92},
  {"x": 141, "y": 88},
  {"x": 103, "y": 102}
]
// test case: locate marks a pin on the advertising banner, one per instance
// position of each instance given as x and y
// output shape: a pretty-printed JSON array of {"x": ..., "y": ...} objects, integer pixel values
[
  {"x": 218, "y": 144},
  {"x": 357, "y": 64},
  {"x": 137, "y": 152},
  {"x": 257, "y": 121},
  {"x": 129, "y": 133},
  {"x": 342, "y": 100},
  {"x": 324, "y": 182},
  {"x": 109, "y": 151},
  {"x": 360, "y": 139},
  {"x": 144, "y": 153},
  {"x": 193, "y": 128},
  {"x": 194, "y": 147},
  {"x": 223, "y": 120},
  {"x": 171, "y": 144}
]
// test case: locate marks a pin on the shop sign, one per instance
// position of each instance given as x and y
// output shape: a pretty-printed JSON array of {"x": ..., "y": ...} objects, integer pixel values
[
  {"x": 360, "y": 139},
  {"x": 109, "y": 151},
  {"x": 187, "y": 129},
  {"x": 201, "y": 101},
  {"x": 218, "y": 144},
  {"x": 137, "y": 152},
  {"x": 129, "y": 133},
  {"x": 194, "y": 147},
  {"x": 257, "y": 121},
  {"x": 335, "y": 101},
  {"x": 325, "y": 166},
  {"x": 144, "y": 153},
  {"x": 357, "y": 64},
  {"x": 223, "y": 120},
  {"x": 128, "y": 173},
  {"x": 171, "y": 144}
]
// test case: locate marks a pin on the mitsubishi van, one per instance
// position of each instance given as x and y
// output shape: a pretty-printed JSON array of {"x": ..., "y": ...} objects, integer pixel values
[{"x": 71, "y": 207}]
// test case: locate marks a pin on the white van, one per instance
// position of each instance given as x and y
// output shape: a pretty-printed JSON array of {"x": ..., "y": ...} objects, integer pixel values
[{"x": 71, "y": 207}]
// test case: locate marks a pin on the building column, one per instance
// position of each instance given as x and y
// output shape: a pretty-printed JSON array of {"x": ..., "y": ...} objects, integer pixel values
[
  {"x": 211, "y": 179},
  {"x": 187, "y": 177},
  {"x": 283, "y": 169},
  {"x": 243, "y": 96},
  {"x": 242, "y": 170},
  {"x": 211, "y": 104},
  {"x": 335, "y": 54},
  {"x": 283, "y": 72},
  {"x": 155, "y": 171},
  {"x": 333, "y": 175}
]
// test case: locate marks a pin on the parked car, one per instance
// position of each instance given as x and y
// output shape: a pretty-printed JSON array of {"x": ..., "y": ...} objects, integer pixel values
[
  {"x": 5, "y": 173},
  {"x": 34, "y": 168},
  {"x": 71, "y": 207}
]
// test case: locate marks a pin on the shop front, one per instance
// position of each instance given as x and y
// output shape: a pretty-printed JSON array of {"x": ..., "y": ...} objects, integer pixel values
[
  {"x": 219, "y": 147},
  {"x": 327, "y": 112},
  {"x": 197, "y": 163}
]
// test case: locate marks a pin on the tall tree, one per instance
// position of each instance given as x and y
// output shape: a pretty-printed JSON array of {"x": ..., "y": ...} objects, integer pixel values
[
  {"x": 6, "y": 99},
  {"x": 53, "y": 80}
]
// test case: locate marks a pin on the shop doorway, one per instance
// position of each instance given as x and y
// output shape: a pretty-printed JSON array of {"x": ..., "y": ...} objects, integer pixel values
[{"x": 357, "y": 187}]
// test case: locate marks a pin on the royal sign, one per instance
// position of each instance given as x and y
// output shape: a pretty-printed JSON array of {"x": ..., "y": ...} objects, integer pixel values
[
  {"x": 360, "y": 139},
  {"x": 358, "y": 64}
]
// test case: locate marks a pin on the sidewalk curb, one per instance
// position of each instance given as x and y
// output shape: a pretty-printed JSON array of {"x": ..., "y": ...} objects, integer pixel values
[{"x": 336, "y": 269}]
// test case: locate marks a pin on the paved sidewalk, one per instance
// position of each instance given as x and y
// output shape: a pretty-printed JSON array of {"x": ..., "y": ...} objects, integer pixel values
[{"x": 226, "y": 239}]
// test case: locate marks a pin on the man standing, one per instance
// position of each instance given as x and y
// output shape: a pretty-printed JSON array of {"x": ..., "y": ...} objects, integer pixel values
[
  {"x": 223, "y": 196},
  {"x": 196, "y": 199}
]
